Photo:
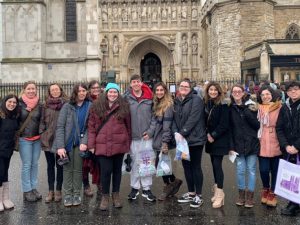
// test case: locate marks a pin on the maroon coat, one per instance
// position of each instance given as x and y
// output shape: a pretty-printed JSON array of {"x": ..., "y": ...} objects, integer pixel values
[{"x": 114, "y": 137}]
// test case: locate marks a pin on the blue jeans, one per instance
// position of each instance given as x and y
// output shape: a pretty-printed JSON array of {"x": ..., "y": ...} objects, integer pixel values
[
  {"x": 246, "y": 166},
  {"x": 267, "y": 165},
  {"x": 30, "y": 152}
]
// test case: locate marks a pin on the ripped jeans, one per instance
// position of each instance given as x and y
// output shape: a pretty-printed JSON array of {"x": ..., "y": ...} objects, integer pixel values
[{"x": 246, "y": 167}]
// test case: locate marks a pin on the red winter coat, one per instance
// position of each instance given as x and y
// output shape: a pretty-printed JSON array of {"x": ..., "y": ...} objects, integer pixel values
[{"x": 113, "y": 138}]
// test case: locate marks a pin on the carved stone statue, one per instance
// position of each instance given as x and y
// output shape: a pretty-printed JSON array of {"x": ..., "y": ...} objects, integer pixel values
[
  {"x": 194, "y": 44},
  {"x": 194, "y": 13},
  {"x": 154, "y": 14},
  {"x": 134, "y": 13},
  {"x": 115, "y": 13},
  {"x": 184, "y": 12},
  {"x": 124, "y": 15},
  {"x": 144, "y": 12},
  {"x": 164, "y": 13},
  {"x": 184, "y": 44},
  {"x": 104, "y": 14},
  {"x": 174, "y": 13},
  {"x": 115, "y": 48}
]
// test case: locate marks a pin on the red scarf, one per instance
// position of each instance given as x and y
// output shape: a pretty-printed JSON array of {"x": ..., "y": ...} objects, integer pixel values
[{"x": 30, "y": 102}]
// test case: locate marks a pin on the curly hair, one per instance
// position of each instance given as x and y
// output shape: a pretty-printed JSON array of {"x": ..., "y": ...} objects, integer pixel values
[
  {"x": 63, "y": 95},
  {"x": 74, "y": 95},
  {"x": 218, "y": 100},
  {"x": 101, "y": 106},
  {"x": 275, "y": 95},
  {"x": 161, "y": 105}
]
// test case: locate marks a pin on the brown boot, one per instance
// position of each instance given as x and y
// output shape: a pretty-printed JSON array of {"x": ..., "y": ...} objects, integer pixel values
[
  {"x": 58, "y": 196},
  {"x": 8, "y": 204},
  {"x": 49, "y": 197},
  {"x": 116, "y": 200},
  {"x": 241, "y": 199},
  {"x": 272, "y": 199},
  {"x": 175, "y": 186},
  {"x": 249, "y": 199},
  {"x": 213, "y": 189},
  {"x": 88, "y": 191},
  {"x": 104, "y": 202},
  {"x": 220, "y": 198},
  {"x": 264, "y": 195},
  {"x": 166, "y": 192}
]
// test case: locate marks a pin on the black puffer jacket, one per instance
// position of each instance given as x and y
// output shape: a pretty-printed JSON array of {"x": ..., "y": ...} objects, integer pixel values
[
  {"x": 32, "y": 127},
  {"x": 189, "y": 119},
  {"x": 243, "y": 128},
  {"x": 8, "y": 129},
  {"x": 288, "y": 127},
  {"x": 217, "y": 122}
]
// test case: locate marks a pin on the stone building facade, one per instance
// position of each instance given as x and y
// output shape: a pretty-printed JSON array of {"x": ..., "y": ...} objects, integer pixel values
[{"x": 160, "y": 39}]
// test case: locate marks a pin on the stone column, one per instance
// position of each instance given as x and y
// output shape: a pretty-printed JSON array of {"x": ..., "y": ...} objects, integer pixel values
[
  {"x": 92, "y": 39},
  {"x": 1, "y": 44},
  {"x": 264, "y": 63}
]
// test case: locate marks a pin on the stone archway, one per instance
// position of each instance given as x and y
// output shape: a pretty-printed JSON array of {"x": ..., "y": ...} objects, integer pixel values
[
  {"x": 151, "y": 68},
  {"x": 144, "y": 49}
]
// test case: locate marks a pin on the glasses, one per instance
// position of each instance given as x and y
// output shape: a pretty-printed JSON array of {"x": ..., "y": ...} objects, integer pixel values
[
  {"x": 293, "y": 89},
  {"x": 237, "y": 92},
  {"x": 184, "y": 87}
]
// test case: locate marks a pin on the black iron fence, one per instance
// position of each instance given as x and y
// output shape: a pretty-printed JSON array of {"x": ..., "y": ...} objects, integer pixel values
[{"x": 16, "y": 88}]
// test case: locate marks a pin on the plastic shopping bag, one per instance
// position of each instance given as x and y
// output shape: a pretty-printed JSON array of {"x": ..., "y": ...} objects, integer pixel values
[
  {"x": 146, "y": 159},
  {"x": 182, "y": 150},
  {"x": 164, "y": 166},
  {"x": 288, "y": 180}
]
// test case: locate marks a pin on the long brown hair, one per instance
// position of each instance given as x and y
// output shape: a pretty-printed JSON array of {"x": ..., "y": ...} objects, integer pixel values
[
  {"x": 74, "y": 95},
  {"x": 100, "y": 107},
  {"x": 25, "y": 86},
  {"x": 161, "y": 105},
  {"x": 218, "y": 100},
  {"x": 63, "y": 95},
  {"x": 240, "y": 87}
]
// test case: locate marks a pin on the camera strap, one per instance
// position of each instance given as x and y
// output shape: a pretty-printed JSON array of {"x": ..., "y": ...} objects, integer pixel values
[{"x": 104, "y": 121}]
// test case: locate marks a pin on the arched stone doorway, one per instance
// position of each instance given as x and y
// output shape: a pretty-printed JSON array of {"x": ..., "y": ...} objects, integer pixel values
[
  {"x": 150, "y": 58},
  {"x": 151, "y": 68}
]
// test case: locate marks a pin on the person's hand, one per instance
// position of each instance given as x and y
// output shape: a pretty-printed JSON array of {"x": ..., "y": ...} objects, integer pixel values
[
  {"x": 210, "y": 138},
  {"x": 231, "y": 152},
  {"x": 92, "y": 150},
  {"x": 294, "y": 150},
  {"x": 82, "y": 147},
  {"x": 164, "y": 148},
  {"x": 146, "y": 136},
  {"x": 289, "y": 149},
  {"x": 61, "y": 152}
]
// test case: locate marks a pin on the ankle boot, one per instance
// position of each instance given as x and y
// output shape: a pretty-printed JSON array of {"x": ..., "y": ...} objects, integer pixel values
[
  {"x": 8, "y": 204},
  {"x": 104, "y": 202},
  {"x": 264, "y": 195},
  {"x": 1, "y": 199},
  {"x": 49, "y": 197},
  {"x": 213, "y": 189},
  {"x": 219, "y": 201},
  {"x": 58, "y": 196},
  {"x": 241, "y": 199},
  {"x": 29, "y": 196},
  {"x": 116, "y": 200},
  {"x": 249, "y": 199},
  {"x": 272, "y": 199}
]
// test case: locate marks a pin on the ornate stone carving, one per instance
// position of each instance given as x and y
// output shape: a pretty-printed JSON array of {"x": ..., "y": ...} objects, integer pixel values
[
  {"x": 194, "y": 44},
  {"x": 115, "y": 47}
]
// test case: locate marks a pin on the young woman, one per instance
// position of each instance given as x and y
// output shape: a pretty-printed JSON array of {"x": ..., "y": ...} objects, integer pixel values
[
  {"x": 189, "y": 123},
  {"x": 29, "y": 141},
  {"x": 244, "y": 126},
  {"x": 8, "y": 127},
  {"x": 217, "y": 121},
  {"x": 163, "y": 112},
  {"x": 89, "y": 166},
  {"x": 109, "y": 137},
  {"x": 269, "y": 107},
  {"x": 71, "y": 139},
  {"x": 55, "y": 100}
]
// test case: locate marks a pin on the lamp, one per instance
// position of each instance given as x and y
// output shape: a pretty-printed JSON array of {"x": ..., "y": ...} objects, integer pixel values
[
  {"x": 103, "y": 48},
  {"x": 171, "y": 44}
]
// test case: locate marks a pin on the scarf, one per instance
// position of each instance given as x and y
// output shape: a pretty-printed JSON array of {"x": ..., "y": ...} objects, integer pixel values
[
  {"x": 30, "y": 102},
  {"x": 55, "y": 103}
]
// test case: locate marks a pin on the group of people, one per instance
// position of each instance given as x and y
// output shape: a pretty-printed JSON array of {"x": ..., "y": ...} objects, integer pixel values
[{"x": 92, "y": 131}]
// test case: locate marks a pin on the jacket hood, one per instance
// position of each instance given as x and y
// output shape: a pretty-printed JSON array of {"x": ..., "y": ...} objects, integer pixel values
[{"x": 147, "y": 93}]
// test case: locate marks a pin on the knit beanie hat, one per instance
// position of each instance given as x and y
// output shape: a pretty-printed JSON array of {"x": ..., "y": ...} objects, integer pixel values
[{"x": 112, "y": 86}]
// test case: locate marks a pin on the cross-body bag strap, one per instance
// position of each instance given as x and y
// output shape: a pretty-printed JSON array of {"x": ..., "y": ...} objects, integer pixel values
[
  {"x": 104, "y": 121},
  {"x": 26, "y": 121}
]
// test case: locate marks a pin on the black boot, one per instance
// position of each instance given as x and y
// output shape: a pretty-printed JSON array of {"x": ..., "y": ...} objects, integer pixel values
[{"x": 291, "y": 209}]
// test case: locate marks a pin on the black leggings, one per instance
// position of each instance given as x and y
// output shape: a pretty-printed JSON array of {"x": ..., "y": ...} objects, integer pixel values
[
  {"x": 51, "y": 159},
  {"x": 192, "y": 170},
  {"x": 4, "y": 166},
  {"x": 216, "y": 161},
  {"x": 110, "y": 166},
  {"x": 167, "y": 178}
]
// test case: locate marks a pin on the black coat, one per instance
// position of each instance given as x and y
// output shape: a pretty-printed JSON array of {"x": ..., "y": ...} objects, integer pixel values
[
  {"x": 8, "y": 129},
  {"x": 217, "y": 122},
  {"x": 243, "y": 128},
  {"x": 32, "y": 127},
  {"x": 288, "y": 127},
  {"x": 189, "y": 119}
]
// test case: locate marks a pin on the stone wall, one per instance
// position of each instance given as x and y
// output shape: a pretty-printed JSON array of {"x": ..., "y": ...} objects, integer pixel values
[{"x": 283, "y": 17}]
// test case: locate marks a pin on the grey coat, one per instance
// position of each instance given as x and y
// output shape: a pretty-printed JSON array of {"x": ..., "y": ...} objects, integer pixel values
[
  {"x": 66, "y": 119},
  {"x": 142, "y": 119},
  {"x": 163, "y": 129},
  {"x": 189, "y": 119}
]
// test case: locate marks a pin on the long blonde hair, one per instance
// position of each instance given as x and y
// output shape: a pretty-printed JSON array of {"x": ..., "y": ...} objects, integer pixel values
[{"x": 161, "y": 105}]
